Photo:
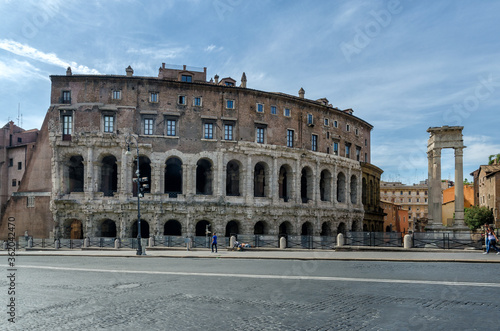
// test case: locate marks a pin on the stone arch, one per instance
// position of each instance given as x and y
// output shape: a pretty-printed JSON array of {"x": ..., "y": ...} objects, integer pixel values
[
  {"x": 109, "y": 175},
  {"x": 341, "y": 228},
  {"x": 325, "y": 183},
  {"x": 260, "y": 181},
  {"x": 326, "y": 230},
  {"x": 306, "y": 185},
  {"x": 172, "y": 228},
  {"x": 204, "y": 177},
  {"x": 232, "y": 228},
  {"x": 363, "y": 191},
  {"x": 354, "y": 189},
  {"x": 233, "y": 175},
  {"x": 74, "y": 174},
  {"x": 107, "y": 229},
  {"x": 144, "y": 172},
  {"x": 261, "y": 227},
  {"x": 173, "y": 175},
  {"x": 307, "y": 229},
  {"x": 341, "y": 187},
  {"x": 371, "y": 193},
  {"x": 201, "y": 228},
  {"x": 72, "y": 229},
  {"x": 365, "y": 228},
  {"x": 285, "y": 229},
  {"x": 144, "y": 229},
  {"x": 354, "y": 226},
  {"x": 285, "y": 182}
]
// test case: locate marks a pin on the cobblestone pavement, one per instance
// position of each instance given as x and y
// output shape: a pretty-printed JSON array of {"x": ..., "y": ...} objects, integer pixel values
[{"x": 60, "y": 293}]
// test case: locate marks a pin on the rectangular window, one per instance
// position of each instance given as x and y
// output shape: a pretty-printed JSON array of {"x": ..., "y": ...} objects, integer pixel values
[
  {"x": 66, "y": 97},
  {"x": 356, "y": 131},
  {"x": 187, "y": 78},
  {"x": 11, "y": 162},
  {"x": 228, "y": 132},
  {"x": 230, "y": 104},
  {"x": 289, "y": 138},
  {"x": 273, "y": 110},
  {"x": 109, "y": 123},
  {"x": 309, "y": 119},
  {"x": 171, "y": 127},
  {"x": 314, "y": 143},
  {"x": 208, "y": 131},
  {"x": 358, "y": 154},
  {"x": 335, "y": 124},
  {"x": 335, "y": 148},
  {"x": 19, "y": 165},
  {"x": 366, "y": 157},
  {"x": 409, "y": 199},
  {"x": 347, "y": 151},
  {"x": 19, "y": 139},
  {"x": 326, "y": 123},
  {"x": 347, "y": 127},
  {"x": 153, "y": 97},
  {"x": 181, "y": 100},
  {"x": 287, "y": 112},
  {"x": 197, "y": 101},
  {"x": 117, "y": 95},
  {"x": 14, "y": 182},
  {"x": 67, "y": 126},
  {"x": 30, "y": 202},
  {"x": 260, "y": 108},
  {"x": 260, "y": 135},
  {"x": 366, "y": 142},
  {"x": 148, "y": 126}
]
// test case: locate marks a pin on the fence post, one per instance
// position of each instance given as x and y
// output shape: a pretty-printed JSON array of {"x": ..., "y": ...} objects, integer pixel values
[
  {"x": 4, "y": 246},
  {"x": 117, "y": 243},
  {"x": 231, "y": 241},
  {"x": 407, "y": 241},
  {"x": 282, "y": 242},
  {"x": 340, "y": 240},
  {"x": 57, "y": 244},
  {"x": 151, "y": 242}
]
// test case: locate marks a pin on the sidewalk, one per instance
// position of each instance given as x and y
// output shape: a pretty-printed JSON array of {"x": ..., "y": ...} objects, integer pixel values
[{"x": 346, "y": 254}]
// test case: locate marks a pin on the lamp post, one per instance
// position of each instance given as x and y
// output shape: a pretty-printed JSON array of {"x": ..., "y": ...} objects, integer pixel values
[{"x": 138, "y": 181}]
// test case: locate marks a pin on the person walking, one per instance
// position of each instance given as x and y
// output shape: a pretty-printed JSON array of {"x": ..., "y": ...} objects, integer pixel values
[
  {"x": 486, "y": 228},
  {"x": 214, "y": 242},
  {"x": 492, "y": 241}
]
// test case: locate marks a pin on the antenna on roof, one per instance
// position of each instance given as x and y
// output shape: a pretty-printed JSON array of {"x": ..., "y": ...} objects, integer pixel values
[{"x": 19, "y": 116}]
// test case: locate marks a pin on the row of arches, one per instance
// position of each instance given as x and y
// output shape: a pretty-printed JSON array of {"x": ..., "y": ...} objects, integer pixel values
[
  {"x": 289, "y": 186},
  {"x": 73, "y": 229}
]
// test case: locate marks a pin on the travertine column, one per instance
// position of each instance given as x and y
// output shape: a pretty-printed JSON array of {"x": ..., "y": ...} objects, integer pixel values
[
  {"x": 435, "y": 188},
  {"x": 459, "y": 187}
]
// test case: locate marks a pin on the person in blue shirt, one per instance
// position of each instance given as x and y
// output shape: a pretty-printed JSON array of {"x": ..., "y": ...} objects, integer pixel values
[{"x": 214, "y": 242}]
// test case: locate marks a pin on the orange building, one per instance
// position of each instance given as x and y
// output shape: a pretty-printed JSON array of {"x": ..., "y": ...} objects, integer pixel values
[
  {"x": 449, "y": 203},
  {"x": 396, "y": 218}
]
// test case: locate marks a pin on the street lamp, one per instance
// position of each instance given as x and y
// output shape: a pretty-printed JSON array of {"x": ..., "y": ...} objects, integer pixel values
[{"x": 137, "y": 180}]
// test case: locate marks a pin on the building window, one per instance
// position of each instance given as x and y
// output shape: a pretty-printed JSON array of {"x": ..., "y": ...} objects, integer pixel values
[
  {"x": 187, "y": 78},
  {"x": 409, "y": 199},
  {"x": 19, "y": 139},
  {"x": 109, "y": 123},
  {"x": 347, "y": 127},
  {"x": 425, "y": 200},
  {"x": 67, "y": 127},
  {"x": 260, "y": 135},
  {"x": 171, "y": 127},
  {"x": 347, "y": 151},
  {"x": 287, "y": 112},
  {"x": 228, "y": 132},
  {"x": 11, "y": 162},
  {"x": 117, "y": 95},
  {"x": 335, "y": 148},
  {"x": 208, "y": 131},
  {"x": 229, "y": 83},
  {"x": 314, "y": 143},
  {"x": 401, "y": 193},
  {"x": 366, "y": 157},
  {"x": 418, "y": 200},
  {"x": 14, "y": 182},
  {"x": 358, "y": 154},
  {"x": 30, "y": 202},
  {"x": 273, "y": 110},
  {"x": 66, "y": 97},
  {"x": 366, "y": 142},
  {"x": 181, "y": 100},
  {"x": 356, "y": 131},
  {"x": 326, "y": 123},
  {"x": 19, "y": 165},
  {"x": 260, "y": 108},
  {"x": 230, "y": 104},
  {"x": 309, "y": 119},
  {"x": 289, "y": 138},
  {"x": 197, "y": 101},
  {"x": 153, "y": 97},
  {"x": 148, "y": 126}
]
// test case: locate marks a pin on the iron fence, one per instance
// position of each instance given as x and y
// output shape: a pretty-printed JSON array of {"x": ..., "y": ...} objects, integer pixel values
[
  {"x": 374, "y": 239},
  {"x": 447, "y": 240}
]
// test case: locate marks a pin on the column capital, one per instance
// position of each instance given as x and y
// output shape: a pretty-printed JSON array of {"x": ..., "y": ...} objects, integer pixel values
[{"x": 459, "y": 151}]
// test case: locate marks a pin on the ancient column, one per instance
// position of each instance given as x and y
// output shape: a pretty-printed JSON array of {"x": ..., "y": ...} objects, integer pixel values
[
  {"x": 435, "y": 188},
  {"x": 459, "y": 187}
]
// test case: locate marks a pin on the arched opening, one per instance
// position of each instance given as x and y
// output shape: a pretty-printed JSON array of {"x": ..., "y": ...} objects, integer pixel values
[
  {"x": 354, "y": 189},
  {"x": 285, "y": 182},
  {"x": 259, "y": 180},
  {"x": 388, "y": 228},
  {"x": 172, "y": 228},
  {"x": 307, "y": 229},
  {"x": 285, "y": 229},
  {"x": 233, "y": 178},
  {"x": 75, "y": 174},
  {"x": 326, "y": 230},
  {"x": 108, "y": 229},
  {"x": 202, "y": 227},
  {"x": 232, "y": 228},
  {"x": 173, "y": 176},
  {"x": 145, "y": 172},
  {"x": 306, "y": 185},
  {"x": 341, "y": 187},
  {"x": 363, "y": 191},
  {"x": 260, "y": 228},
  {"x": 365, "y": 228},
  {"x": 341, "y": 228},
  {"x": 204, "y": 177},
  {"x": 109, "y": 176},
  {"x": 325, "y": 183},
  {"x": 73, "y": 229},
  {"x": 144, "y": 229},
  {"x": 372, "y": 228},
  {"x": 371, "y": 193},
  {"x": 354, "y": 226}
]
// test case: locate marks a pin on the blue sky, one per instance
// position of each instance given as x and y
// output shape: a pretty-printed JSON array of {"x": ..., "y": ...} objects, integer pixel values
[{"x": 403, "y": 66}]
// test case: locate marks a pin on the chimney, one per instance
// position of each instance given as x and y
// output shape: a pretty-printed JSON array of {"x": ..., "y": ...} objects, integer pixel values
[
  {"x": 68, "y": 72},
  {"x": 301, "y": 93},
  {"x": 216, "y": 78},
  {"x": 243, "y": 80},
  {"x": 129, "y": 71}
]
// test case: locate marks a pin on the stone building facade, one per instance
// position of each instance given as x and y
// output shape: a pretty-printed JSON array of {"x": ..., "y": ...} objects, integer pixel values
[
  {"x": 487, "y": 189},
  {"x": 212, "y": 155},
  {"x": 373, "y": 220}
]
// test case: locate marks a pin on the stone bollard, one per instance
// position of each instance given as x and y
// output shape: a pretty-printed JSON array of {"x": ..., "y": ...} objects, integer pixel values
[
  {"x": 340, "y": 240},
  {"x": 187, "y": 241},
  {"x": 57, "y": 244},
  {"x": 231, "y": 241},
  {"x": 86, "y": 242},
  {"x": 30, "y": 242},
  {"x": 4, "y": 246},
  {"x": 151, "y": 242},
  {"x": 282, "y": 242},
  {"x": 117, "y": 243},
  {"x": 407, "y": 241}
]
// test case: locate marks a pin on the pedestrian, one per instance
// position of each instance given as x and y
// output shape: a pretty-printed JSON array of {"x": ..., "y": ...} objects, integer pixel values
[
  {"x": 214, "y": 242},
  {"x": 492, "y": 241},
  {"x": 486, "y": 228}
]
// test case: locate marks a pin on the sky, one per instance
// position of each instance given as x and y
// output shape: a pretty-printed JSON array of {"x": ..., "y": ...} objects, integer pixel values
[{"x": 402, "y": 66}]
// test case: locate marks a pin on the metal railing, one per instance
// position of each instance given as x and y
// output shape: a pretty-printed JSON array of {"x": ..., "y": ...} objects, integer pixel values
[{"x": 374, "y": 239}]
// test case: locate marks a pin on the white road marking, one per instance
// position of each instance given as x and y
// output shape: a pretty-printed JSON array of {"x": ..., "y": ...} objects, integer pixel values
[{"x": 283, "y": 277}]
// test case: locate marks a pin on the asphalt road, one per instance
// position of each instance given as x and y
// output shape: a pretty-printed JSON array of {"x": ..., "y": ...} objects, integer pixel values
[{"x": 104, "y": 293}]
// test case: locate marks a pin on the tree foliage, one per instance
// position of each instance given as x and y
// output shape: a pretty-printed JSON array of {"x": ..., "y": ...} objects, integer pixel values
[{"x": 476, "y": 216}]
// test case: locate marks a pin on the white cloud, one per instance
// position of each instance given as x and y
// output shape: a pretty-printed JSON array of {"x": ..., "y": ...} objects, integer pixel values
[
  {"x": 160, "y": 53},
  {"x": 49, "y": 58},
  {"x": 20, "y": 71},
  {"x": 212, "y": 48}
]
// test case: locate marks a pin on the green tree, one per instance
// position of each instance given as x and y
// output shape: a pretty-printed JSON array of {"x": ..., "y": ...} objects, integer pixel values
[
  {"x": 493, "y": 158},
  {"x": 476, "y": 216}
]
